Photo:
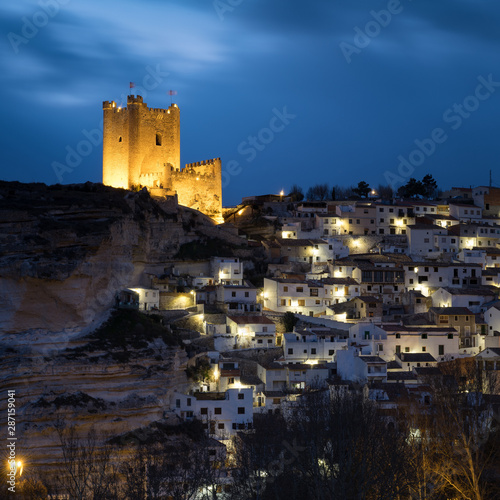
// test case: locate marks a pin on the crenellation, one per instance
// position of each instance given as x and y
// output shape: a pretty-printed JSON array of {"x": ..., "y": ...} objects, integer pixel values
[{"x": 141, "y": 148}]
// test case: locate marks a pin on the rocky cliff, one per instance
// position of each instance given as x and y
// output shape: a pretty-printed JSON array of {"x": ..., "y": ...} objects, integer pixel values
[
  {"x": 66, "y": 250},
  {"x": 64, "y": 253},
  {"x": 117, "y": 379}
]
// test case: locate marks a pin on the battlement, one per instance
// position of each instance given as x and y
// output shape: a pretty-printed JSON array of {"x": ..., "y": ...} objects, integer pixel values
[
  {"x": 108, "y": 104},
  {"x": 131, "y": 99},
  {"x": 212, "y": 162}
]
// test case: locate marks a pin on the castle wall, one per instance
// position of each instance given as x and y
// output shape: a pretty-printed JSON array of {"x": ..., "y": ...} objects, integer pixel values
[
  {"x": 115, "y": 151},
  {"x": 141, "y": 147},
  {"x": 198, "y": 186}
]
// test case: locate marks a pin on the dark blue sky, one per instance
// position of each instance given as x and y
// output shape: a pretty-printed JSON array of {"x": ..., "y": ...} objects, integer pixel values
[{"x": 351, "y": 90}]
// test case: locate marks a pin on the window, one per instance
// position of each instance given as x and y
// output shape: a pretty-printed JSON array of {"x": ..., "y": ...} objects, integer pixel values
[
  {"x": 424, "y": 348},
  {"x": 283, "y": 302},
  {"x": 233, "y": 294},
  {"x": 241, "y": 410},
  {"x": 247, "y": 294},
  {"x": 177, "y": 403},
  {"x": 218, "y": 411},
  {"x": 398, "y": 335},
  {"x": 313, "y": 350},
  {"x": 331, "y": 352},
  {"x": 424, "y": 336},
  {"x": 300, "y": 289},
  {"x": 302, "y": 302},
  {"x": 313, "y": 292},
  {"x": 440, "y": 350},
  {"x": 120, "y": 139},
  {"x": 407, "y": 349},
  {"x": 189, "y": 401},
  {"x": 285, "y": 289},
  {"x": 450, "y": 336},
  {"x": 158, "y": 139},
  {"x": 220, "y": 426},
  {"x": 290, "y": 351},
  {"x": 204, "y": 411},
  {"x": 380, "y": 347},
  {"x": 241, "y": 395}
]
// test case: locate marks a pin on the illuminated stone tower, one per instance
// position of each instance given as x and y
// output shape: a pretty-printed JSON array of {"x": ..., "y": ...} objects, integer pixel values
[{"x": 141, "y": 147}]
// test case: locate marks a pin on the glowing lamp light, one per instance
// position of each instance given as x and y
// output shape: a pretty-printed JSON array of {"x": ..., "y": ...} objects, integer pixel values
[{"x": 240, "y": 211}]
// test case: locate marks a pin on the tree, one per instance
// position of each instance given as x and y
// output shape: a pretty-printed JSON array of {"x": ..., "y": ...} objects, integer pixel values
[
  {"x": 362, "y": 190},
  {"x": 411, "y": 189},
  {"x": 289, "y": 320},
  {"x": 343, "y": 193},
  {"x": 323, "y": 448},
  {"x": 296, "y": 193},
  {"x": 454, "y": 450},
  {"x": 385, "y": 192},
  {"x": 430, "y": 185},
  {"x": 87, "y": 471},
  {"x": 319, "y": 192}
]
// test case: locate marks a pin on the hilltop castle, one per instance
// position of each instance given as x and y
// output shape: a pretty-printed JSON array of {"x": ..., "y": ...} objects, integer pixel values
[{"x": 141, "y": 148}]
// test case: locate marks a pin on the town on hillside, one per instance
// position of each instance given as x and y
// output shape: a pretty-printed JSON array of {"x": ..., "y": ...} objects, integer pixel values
[{"x": 387, "y": 299}]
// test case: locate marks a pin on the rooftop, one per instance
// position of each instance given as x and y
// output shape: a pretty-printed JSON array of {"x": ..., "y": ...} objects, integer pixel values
[{"x": 251, "y": 320}]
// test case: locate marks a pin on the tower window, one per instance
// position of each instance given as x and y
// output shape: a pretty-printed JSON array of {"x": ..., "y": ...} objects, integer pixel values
[
  {"x": 120, "y": 139},
  {"x": 158, "y": 139}
]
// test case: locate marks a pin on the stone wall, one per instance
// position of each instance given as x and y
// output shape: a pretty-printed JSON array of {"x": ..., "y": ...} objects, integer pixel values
[
  {"x": 198, "y": 186},
  {"x": 140, "y": 145},
  {"x": 172, "y": 300}
]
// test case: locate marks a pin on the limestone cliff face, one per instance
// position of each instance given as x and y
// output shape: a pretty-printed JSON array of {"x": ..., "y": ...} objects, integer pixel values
[
  {"x": 66, "y": 251},
  {"x": 115, "y": 385}
]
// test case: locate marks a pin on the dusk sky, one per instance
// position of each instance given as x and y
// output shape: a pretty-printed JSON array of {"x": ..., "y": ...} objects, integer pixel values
[{"x": 283, "y": 91}]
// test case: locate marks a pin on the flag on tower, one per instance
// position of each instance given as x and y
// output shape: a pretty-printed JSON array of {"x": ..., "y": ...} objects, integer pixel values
[
  {"x": 132, "y": 85},
  {"x": 172, "y": 92}
]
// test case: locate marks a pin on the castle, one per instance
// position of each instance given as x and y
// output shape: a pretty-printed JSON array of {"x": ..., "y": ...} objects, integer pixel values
[{"x": 141, "y": 148}]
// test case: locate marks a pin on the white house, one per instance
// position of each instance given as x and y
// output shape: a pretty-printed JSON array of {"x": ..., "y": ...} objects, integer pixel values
[
  {"x": 310, "y": 348},
  {"x": 227, "y": 270},
  {"x": 148, "y": 298},
  {"x": 222, "y": 413},
  {"x": 238, "y": 298},
  {"x": 430, "y": 275},
  {"x": 297, "y": 296},
  {"x": 471, "y": 297},
  {"x": 292, "y": 376},
  {"x": 465, "y": 213},
  {"x": 492, "y": 318},
  {"x": 351, "y": 365},
  {"x": 421, "y": 239},
  {"x": 252, "y": 331},
  {"x": 388, "y": 340}
]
